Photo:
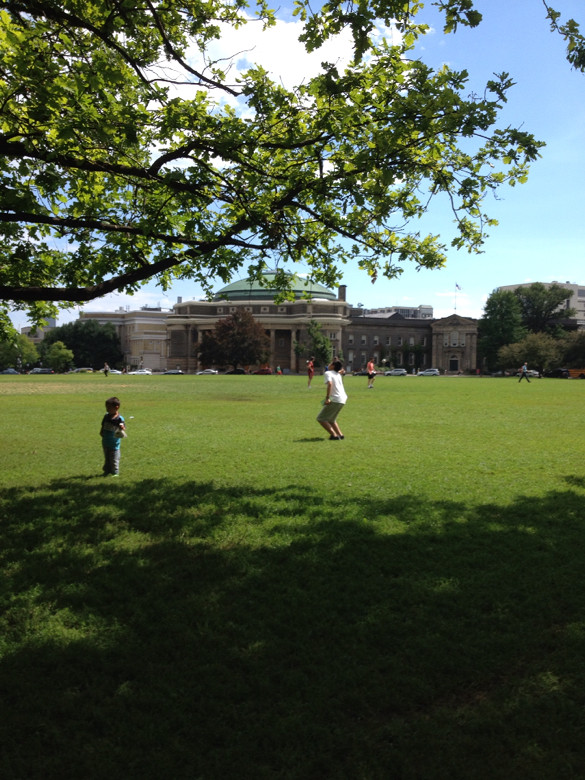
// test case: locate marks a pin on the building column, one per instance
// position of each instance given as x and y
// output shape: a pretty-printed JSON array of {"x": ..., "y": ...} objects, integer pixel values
[
  {"x": 293, "y": 355},
  {"x": 339, "y": 344},
  {"x": 188, "y": 347},
  {"x": 272, "y": 347},
  {"x": 435, "y": 351}
]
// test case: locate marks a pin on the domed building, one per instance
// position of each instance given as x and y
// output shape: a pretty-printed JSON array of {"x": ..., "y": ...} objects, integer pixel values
[
  {"x": 286, "y": 323},
  {"x": 248, "y": 289},
  {"x": 393, "y": 336}
]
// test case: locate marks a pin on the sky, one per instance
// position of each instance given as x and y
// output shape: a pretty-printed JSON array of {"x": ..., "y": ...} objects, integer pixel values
[{"x": 541, "y": 231}]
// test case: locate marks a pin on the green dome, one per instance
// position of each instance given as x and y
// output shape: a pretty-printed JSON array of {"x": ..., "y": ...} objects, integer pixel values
[{"x": 249, "y": 289}]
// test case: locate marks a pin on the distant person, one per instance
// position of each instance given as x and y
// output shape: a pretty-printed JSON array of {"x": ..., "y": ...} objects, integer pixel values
[
  {"x": 335, "y": 399},
  {"x": 112, "y": 431},
  {"x": 524, "y": 373},
  {"x": 371, "y": 371},
  {"x": 310, "y": 370},
  {"x": 106, "y": 369},
  {"x": 341, "y": 370}
]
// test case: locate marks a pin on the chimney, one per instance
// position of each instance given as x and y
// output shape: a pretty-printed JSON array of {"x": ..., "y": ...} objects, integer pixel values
[{"x": 341, "y": 292}]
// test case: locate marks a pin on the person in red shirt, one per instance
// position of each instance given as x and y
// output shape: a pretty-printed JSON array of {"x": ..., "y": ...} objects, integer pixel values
[
  {"x": 371, "y": 369},
  {"x": 310, "y": 370}
]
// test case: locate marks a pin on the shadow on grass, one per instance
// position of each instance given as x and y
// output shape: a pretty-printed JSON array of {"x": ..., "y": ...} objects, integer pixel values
[{"x": 180, "y": 630}]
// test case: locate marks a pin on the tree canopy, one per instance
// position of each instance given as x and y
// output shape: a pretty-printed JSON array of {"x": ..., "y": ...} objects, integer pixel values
[
  {"x": 59, "y": 357},
  {"x": 127, "y": 153},
  {"x": 237, "y": 340},
  {"x": 18, "y": 352},
  {"x": 500, "y": 325},
  {"x": 319, "y": 345},
  {"x": 544, "y": 307},
  {"x": 510, "y": 316},
  {"x": 540, "y": 350},
  {"x": 91, "y": 344}
]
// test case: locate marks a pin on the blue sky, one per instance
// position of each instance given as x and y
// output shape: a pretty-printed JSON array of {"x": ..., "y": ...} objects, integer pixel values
[{"x": 541, "y": 231}]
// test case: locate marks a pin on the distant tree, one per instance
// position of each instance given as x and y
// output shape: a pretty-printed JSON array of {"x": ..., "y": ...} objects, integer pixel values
[
  {"x": 18, "y": 352},
  {"x": 58, "y": 357},
  {"x": 500, "y": 325},
  {"x": 320, "y": 345},
  {"x": 236, "y": 340},
  {"x": 544, "y": 308},
  {"x": 540, "y": 350},
  {"x": 573, "y": 349},
  {"x": 92, "y": 344}
]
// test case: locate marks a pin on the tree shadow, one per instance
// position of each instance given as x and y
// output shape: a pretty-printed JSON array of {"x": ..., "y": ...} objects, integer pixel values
[{"x": 186, "y": 630}]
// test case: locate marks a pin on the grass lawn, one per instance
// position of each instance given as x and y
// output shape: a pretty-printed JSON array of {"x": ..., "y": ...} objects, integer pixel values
[{"x": 251, "y": 600}]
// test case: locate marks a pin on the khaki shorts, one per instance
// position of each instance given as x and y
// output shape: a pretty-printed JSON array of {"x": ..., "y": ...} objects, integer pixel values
[{"x": 329, "y": 412}]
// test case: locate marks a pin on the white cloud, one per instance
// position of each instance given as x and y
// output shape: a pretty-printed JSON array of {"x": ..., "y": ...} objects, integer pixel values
[{"x": 278, "y": 50}]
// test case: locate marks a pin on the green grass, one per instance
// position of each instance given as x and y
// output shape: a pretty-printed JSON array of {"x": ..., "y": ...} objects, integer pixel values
[{"x": 251, "y": 600}]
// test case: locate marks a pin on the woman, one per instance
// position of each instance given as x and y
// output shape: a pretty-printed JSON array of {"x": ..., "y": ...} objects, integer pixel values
[
  {"x": 310, "y": 370},
  {"x": 371, "y": 369}
]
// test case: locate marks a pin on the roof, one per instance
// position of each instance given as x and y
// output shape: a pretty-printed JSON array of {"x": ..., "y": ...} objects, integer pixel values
[{"x": 250, "y": 289}]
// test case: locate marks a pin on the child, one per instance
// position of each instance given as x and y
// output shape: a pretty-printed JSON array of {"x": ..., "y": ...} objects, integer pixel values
[{"x": 112, "y": 432}]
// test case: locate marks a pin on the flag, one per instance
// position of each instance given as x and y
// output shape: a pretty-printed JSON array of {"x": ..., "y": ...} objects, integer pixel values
[{"x": 457, "y": 286}]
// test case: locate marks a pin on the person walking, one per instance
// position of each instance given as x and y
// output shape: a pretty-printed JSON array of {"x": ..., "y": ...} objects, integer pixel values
[
  {"x": 335, "y": 400},
  {"x": 310, "y": 370},
  {"x": 371, "y": 369},
  {"x": 524, "y": 373}
]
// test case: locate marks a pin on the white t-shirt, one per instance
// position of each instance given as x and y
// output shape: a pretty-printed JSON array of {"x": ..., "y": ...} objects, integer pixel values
[{"x": 338, "y": 394}]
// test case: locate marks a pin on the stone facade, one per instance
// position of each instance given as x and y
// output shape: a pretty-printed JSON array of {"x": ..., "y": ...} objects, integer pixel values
[{"x": 160, "y": 339}]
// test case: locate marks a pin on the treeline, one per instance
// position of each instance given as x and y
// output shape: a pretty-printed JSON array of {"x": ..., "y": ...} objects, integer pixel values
[
  {"x": 534, "y": 323},
  {"x": 83, "y": 343}
]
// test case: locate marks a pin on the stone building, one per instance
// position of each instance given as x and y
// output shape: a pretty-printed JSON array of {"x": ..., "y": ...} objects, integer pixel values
[
  {"x": 454, "y": 346},
  {"x": 143, "y": 335},
  {"x": 286, "y": 323},
  {"x": 161, "y": 339}
]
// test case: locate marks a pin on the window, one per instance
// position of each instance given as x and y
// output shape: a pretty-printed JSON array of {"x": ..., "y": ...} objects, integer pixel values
[
  {"x": 454, "y": 338},
  {"x": 411, "y": 341},
  {"x": 388, "y": 340},
  {"x": 264, "y": 309},
  {"x": 282, "y": 309},
  {"x": 364, "y": 341},
  {"x": 399, "y": 341},
  {"x": 220, "y": 309},
  {"x": 376, "y": 341},
  {"x": 350, "y": 338},
  {"x": 232, "y": 309}
]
